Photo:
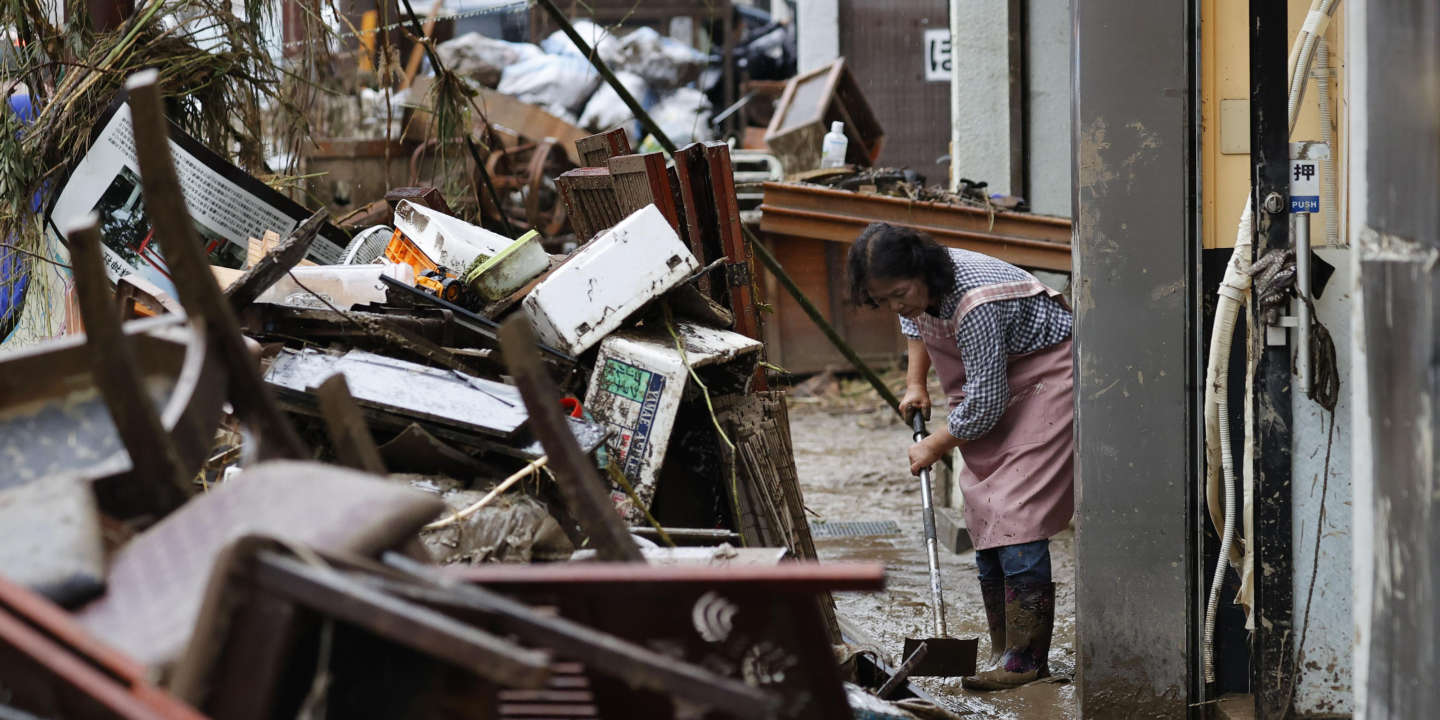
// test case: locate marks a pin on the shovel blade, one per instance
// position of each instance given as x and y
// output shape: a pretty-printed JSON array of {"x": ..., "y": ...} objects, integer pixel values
[{"x": 947, "y": 657}]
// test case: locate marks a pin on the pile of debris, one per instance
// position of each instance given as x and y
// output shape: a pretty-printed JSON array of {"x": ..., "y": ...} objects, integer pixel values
[
  {"x": 374, "y": 479},
  {"x": 557, "y": 77}
]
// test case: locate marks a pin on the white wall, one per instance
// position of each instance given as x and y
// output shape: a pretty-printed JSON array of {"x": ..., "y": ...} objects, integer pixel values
[
  {"x": 980, "y": 121},
  {"x": 1324, "y": 668},
  {"x": 1362, "y": 479},
  {"x": 1047, "y": 80},
  {"x": 817, "y": 33}
]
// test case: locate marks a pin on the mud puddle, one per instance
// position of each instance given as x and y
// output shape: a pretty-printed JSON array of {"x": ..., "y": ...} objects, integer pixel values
[{"x": 852, "y": 467}]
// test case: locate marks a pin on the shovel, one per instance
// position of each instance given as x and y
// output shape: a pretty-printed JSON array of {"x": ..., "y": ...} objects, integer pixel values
[{"x": 943, "y": 656}]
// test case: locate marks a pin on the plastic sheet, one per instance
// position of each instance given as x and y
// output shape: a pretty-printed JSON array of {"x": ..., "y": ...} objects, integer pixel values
[
  {"x": 483, "y": 58},
  {"x": 551, "y": 81},
  {"x": 606, "y": 110},
  {"x": 684, "y": 115},
  {"x": 558, "y": 43},
  {"x": 664, "y": 62}
]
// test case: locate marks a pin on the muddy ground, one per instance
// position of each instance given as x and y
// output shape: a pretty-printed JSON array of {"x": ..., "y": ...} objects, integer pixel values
[{"x": 851, "y": 460}]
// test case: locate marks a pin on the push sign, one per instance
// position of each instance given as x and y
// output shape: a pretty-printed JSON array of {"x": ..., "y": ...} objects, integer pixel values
[{"x": 1305, "y": 161}]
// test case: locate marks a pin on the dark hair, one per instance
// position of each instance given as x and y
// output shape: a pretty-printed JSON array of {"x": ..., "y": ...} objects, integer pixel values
[{"x": 892, "y": 251}]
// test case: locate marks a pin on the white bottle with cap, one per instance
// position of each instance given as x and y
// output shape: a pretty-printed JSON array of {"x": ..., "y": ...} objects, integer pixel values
[{"x": 832, "y": 152}]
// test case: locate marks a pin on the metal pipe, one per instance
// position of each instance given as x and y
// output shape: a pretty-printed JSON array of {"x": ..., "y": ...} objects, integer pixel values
[
  {"x": 937, "y": 598},
  {"x": 1303, "y": 371}
]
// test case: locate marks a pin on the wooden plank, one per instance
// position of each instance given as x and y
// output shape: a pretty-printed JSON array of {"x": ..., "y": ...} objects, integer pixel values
[
  {"x": 739, "y": 270},
  {"x": 604, "y": 653},
  {"x": 641, "y": 180},
  {"x": 504, "y": 114},
  {"x": 596, "y": 150},
  {"x": 940, "y": 219},
  {"x": 276, "y": 262},
  {"x": 413, "y": 626},
  {"x": 586, "y": 494},
  {"x": 698, "y": 202},
  {"x": 354, "y": 446},
  {"x": 590, "y": 201},
  {"x": 201, "y": 296},
  {"x": 160, "y": 481},
  {"x": 789, "y": 577}
]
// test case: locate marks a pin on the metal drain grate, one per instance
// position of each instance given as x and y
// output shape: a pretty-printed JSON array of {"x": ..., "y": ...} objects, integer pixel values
[{"x": 854, "y": 529}]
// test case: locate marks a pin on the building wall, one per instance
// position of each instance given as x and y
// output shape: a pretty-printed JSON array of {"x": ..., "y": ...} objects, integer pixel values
[
  {"x": 1396, "y": 228},
  {"x": 884, "y": 47},
  {"x": 817, "y": 38},
  {"x": 1225, "y": 81}
]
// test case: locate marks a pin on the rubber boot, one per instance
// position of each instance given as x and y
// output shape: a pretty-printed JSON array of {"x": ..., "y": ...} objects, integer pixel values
[
  {"x": 1029, "y": 625},
  {"x": 993, "y": 593}
]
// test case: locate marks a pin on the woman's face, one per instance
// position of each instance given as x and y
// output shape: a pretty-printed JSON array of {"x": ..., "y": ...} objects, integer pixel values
[{"x": 904, "y": 296}]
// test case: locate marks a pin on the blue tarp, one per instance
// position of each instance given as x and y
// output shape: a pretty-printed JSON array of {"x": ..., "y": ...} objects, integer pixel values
[{"x": 12, "y": 282}]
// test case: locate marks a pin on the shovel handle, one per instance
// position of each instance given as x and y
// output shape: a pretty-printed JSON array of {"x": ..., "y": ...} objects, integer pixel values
[{"x": 917, "y": 423}]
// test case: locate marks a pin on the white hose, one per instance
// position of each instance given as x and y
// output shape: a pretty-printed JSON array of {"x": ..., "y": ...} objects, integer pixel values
[
  {"x": 1327, "y": 136},
  {"x": 1315, "y": 23},
  {"x": 1234, "y": 290}
]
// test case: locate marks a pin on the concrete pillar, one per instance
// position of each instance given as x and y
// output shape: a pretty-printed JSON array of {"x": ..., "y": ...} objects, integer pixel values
[
  {"x": 1395, "y": 224},
  {"x": 1136, "y": 251},
  {"x": 981, "y": 122},
  {"x": 817, "y": 33},
  {"x": 1047, "y": 115}
]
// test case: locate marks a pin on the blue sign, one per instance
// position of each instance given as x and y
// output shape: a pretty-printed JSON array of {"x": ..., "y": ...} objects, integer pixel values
[{"x": 1305, "y": 204}]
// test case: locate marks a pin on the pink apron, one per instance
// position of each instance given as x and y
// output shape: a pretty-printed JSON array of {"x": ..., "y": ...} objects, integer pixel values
[{"x": 1018, "y": 479}]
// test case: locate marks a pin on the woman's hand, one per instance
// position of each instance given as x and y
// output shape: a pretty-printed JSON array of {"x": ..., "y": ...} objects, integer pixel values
[
  {"x": 927, "y": 452},
  {"x": 917, "y": 399}
]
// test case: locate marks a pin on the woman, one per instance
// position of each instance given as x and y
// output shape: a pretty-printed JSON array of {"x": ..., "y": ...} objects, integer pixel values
[{"x": 1000, "y": 342}]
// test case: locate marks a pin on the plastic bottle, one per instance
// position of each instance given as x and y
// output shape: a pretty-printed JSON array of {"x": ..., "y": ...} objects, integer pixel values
[{"x": 832, "y": 152}]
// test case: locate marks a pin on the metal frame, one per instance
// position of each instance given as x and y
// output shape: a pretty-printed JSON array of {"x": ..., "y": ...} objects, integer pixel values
[{"x": 1272, "y": 660}]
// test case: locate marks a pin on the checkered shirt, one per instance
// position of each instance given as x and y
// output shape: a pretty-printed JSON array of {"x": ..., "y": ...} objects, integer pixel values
[{"x": 989, "y": 334}]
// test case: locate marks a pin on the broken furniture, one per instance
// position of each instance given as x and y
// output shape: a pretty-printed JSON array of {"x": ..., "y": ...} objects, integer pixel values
[
  {"x": 596, "y": 150},
  {"x": 757, "y": 624},
  {"x": 590, "y": 201},
  {"x": 52, "y": 667},
  {"x": 638, "y": 385},
  {"x": 814, "y": 100},
  {"x": 280, "y": 620},
  {"x": 460, "y": 409},
  {"x": 57, "y": 424},
  {"x": 581, "y": 302},
  {"x": 157, "y": 581}
]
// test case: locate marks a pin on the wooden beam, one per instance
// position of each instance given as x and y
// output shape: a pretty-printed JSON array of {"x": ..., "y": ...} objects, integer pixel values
[
  {"x": 158, "y": 478},
  {"x": 580, "y": 483},
  {"x": 199, "y": 293},
  {"x": 349, "y": 433}
]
